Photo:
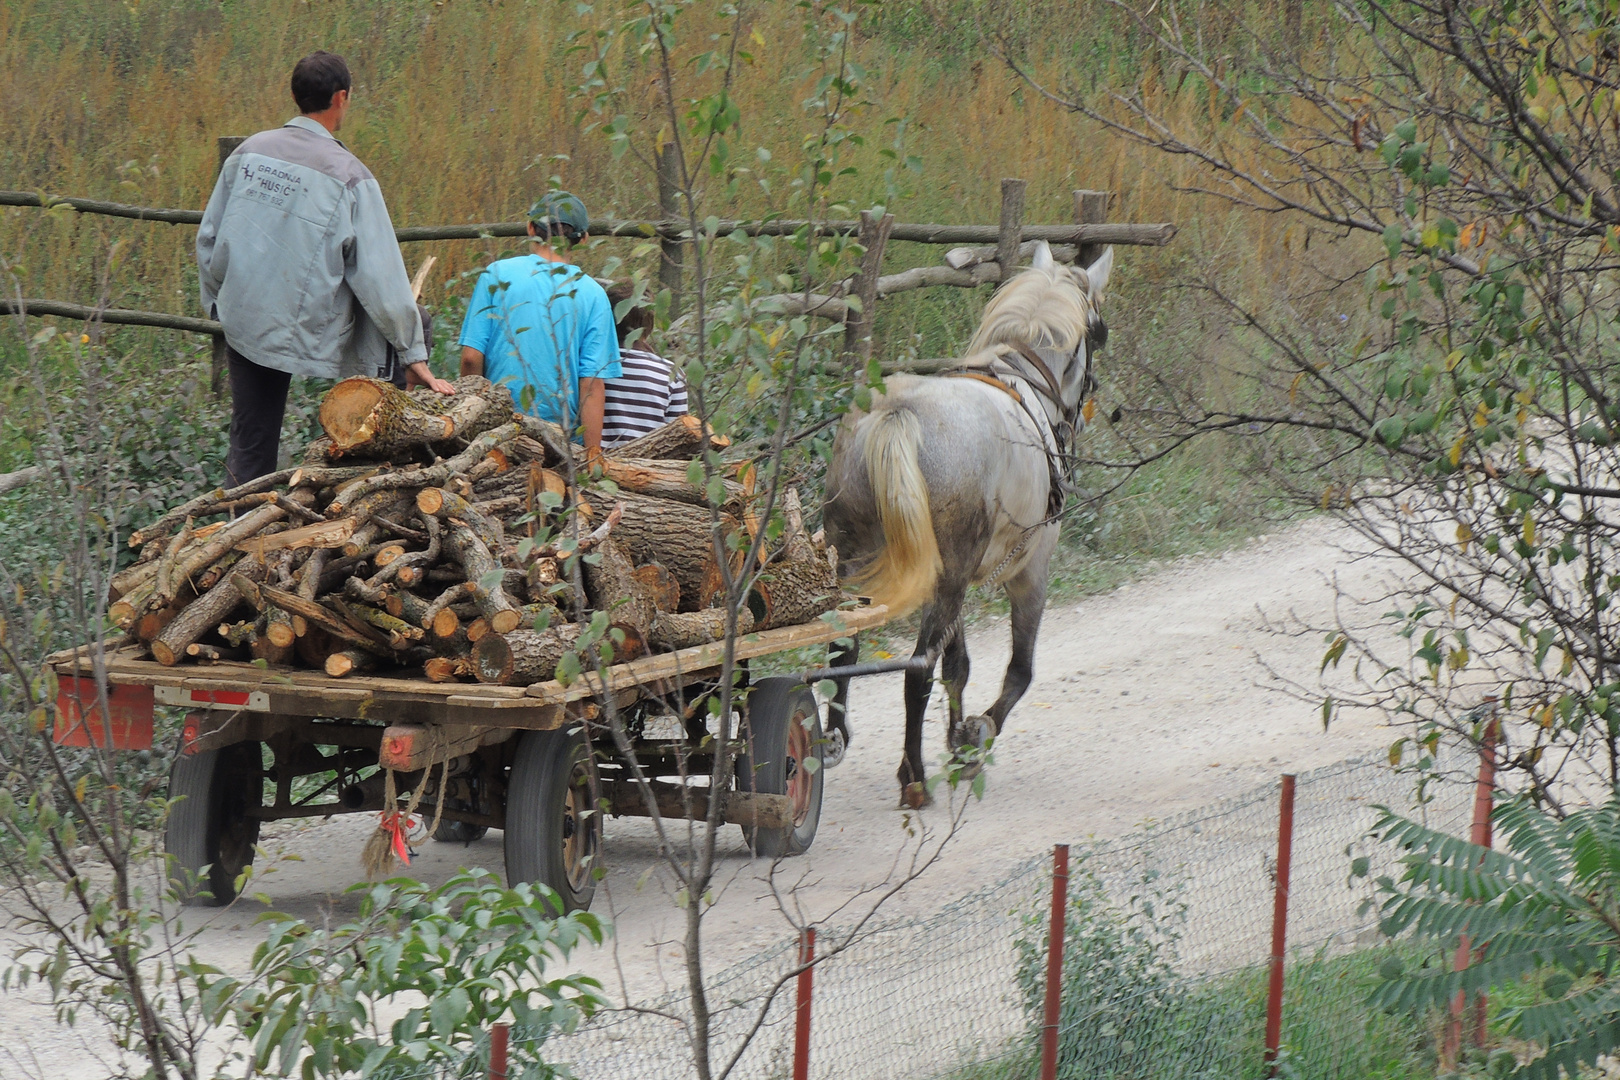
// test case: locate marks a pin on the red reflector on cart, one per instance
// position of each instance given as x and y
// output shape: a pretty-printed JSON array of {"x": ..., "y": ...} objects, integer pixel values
[
  {"x": 127, "y": 724},
  {"x": 251, "y": 700}
]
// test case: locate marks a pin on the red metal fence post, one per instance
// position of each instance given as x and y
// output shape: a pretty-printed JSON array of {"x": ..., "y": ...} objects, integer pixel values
[
  {"x": 1054, "y": 961},
  {"x": 497, "y": 1052},
  {"x": 801, "y": 1018},
  {"x": 1279, "y": 922},
  {"x": 1479, "y": 833}
]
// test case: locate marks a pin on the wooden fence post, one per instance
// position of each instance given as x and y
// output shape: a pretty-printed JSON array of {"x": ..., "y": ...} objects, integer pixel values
[
  {"x": 801, "y": 1009},
  {"x": 671, "y": 257},
  {"x": 1279, "y": 923},
  {"x": 1011, "y": 232},
  {"x": 873, "y": 237},
  {"x": 1090, "y": 208},
  {"x": 1054, "y": 961},
  {"x": 216, "y": 363}
]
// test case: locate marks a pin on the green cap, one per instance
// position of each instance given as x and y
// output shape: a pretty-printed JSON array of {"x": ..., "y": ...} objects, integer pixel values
[{"x": 560, "y": 208}]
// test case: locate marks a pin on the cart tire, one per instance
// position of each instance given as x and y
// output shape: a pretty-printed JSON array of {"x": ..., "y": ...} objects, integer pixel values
[
  {"x": 209, "y": 838},
  {"x": 553, "y": 823},
  {"x": 783, "y": 731}
]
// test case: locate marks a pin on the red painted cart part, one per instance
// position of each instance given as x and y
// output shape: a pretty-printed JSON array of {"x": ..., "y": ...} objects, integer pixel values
[
  {"x": 235, "y": 700},
  {"x": 1279, "y": 922},
  {"x": 127, "y": 724},
  {"x": 801, "y": 1016},
  {"x": 1054, "y": 962}
]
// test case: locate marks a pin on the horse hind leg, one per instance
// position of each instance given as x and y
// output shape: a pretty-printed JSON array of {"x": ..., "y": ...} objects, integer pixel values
[
  {"x": 954, "y": 669},
  {"x": 938, "y": 621},
  {"x": 1026, "y": 593}
]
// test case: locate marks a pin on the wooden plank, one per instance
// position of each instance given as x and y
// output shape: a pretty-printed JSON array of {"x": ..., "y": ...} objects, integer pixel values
[
  {"x": 321, "y": 534},
  {"x": 670, "y": 665}
]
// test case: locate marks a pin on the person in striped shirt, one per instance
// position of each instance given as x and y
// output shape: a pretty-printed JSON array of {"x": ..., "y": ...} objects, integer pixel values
[{"x": 648, "y": 394}]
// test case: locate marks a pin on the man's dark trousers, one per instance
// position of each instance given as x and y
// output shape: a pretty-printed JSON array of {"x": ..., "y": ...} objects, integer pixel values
[{"x": 258, "y": 403}]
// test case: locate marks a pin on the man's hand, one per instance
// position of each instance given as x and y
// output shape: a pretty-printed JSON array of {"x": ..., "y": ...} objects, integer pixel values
[{"x": 419, "y": 374}]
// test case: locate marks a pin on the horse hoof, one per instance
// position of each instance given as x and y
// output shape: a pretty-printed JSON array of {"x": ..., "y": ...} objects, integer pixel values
[
  {"x": 973, "y": 733},
  {"x": 915, "y": 796},
  {"x": 835, "y": 744}
]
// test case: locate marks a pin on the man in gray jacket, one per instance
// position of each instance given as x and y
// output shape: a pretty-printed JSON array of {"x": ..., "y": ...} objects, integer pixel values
[{"x": 297, "y": 260}]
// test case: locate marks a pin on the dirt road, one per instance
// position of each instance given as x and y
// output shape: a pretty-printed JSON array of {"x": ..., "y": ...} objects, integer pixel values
[{"x": 1145, "y": 703}]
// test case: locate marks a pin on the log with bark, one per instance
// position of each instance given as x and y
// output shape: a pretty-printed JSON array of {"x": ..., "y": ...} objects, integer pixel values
[
  {"x": 428, "y": 556},
  {"x": 682, "y": 437},
  {"x": 374, "y": 418}
]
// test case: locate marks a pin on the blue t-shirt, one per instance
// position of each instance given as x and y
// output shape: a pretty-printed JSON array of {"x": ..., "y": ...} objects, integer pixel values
[{"x": 542, "y": 327}]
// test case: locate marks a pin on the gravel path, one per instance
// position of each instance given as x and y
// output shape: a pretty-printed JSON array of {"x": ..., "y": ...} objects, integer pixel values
[{"x": 1145, "y": 703}]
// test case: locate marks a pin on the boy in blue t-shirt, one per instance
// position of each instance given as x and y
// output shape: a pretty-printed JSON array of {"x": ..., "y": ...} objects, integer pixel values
[{"x": 544, "y": 328}]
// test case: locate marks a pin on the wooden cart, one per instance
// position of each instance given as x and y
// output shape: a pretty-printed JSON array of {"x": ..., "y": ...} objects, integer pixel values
[{"x": 266, "y": 744}]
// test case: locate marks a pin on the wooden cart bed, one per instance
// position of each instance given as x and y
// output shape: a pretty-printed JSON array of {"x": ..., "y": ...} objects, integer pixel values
[{"x": 238, "y": 686}]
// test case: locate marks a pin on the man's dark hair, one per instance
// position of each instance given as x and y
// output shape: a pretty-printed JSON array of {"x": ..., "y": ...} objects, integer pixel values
[
  {"x": 316, "y": 79},
  {"x": 639, "y": 317}
]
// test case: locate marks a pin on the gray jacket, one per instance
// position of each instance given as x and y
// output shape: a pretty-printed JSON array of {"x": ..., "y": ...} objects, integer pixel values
[{"x": 297, "y": 259}]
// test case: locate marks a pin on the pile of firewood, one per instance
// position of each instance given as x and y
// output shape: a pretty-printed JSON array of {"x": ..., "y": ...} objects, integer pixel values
[{"x": 437, "y": 535}]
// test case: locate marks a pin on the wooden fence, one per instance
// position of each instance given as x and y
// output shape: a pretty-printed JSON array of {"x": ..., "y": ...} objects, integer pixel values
[{"x": 981, "y": 255}]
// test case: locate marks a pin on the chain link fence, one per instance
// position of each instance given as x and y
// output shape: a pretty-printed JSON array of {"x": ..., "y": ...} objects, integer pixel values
[
  {"x": 1167, "y": 941},
  {"x": 1166, "y": 950}
]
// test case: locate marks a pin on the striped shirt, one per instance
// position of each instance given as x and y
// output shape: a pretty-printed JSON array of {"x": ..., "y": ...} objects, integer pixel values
[{"x": 646, "y": 397}]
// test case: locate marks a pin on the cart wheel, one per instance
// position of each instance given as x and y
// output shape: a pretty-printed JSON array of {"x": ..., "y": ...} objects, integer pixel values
[
  {"x": 553, "y": 824},
  {"x": 784, "y": 732},
  {"x": 210, "y": 836}
]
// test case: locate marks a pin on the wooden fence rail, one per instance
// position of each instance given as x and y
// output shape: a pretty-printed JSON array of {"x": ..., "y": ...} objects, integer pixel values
[{"x": 1152, "y": 235}]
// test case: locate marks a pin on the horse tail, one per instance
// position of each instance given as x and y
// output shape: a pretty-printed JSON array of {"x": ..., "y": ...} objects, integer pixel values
[{"x": 902, "y": 575}]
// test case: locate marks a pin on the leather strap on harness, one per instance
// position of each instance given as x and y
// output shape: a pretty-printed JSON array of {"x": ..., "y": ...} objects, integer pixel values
[{"x": 988, "y": 380}]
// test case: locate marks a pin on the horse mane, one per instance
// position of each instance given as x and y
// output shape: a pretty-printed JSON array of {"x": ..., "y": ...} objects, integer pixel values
[{"x": 1046, "y": 308}]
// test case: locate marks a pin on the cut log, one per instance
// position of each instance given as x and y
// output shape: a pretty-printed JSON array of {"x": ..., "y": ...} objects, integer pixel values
[
  {"x": 366, "y": 510},
  {"x": 450, "y": 669},
  {"x": 349, "y": 662},
  {"x": 321, "y": 534},
  {"x": 658, "y": 582},
  {"x": 318, "y": 616},
  {"x": 439, "y": 606},
  {"x": 432, "y": 476},
  {"x": 523, "y": 657},
  {"x": 195, "y": 560},
  {"x": 314, "y": 646},
  {"x": 241, "y": 633},
  {"x": 477, "y": 629},
  {"x": 378, "y": 419},
  {"x": 189, "y": 508},
  {"x": 672, "y": 630},
  {"x": 682, "y": 437},
  {"x": 612, "y": 586},
  {"x": 667, "y": 479},
  {"x": 203, "y": 615},
  {"x": 216, "y": 573},
  {"x": 261, "y": 648},
  {"x": 674, "y": 535},
  {"x": 213, "y": 654},
  {"x": 796, "y": 592},
  {"x": 151, "y": 622},
  {"x": 126, "y": 608},
  {"x": 388, "y": 554},
  {"x": 401, "y": 634},
  {"x": 467, "y": 548},
  {"x": 407, "y": 568},
  {"x": 316, "y": 476},
  {"x": 443, "y": 504}
]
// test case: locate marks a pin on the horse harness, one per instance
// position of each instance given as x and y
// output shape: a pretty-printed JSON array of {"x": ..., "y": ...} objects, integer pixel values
[{"x": 1048, "y": 387}]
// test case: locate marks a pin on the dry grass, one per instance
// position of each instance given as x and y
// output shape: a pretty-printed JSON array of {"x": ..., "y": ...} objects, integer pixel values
[{"x": 461, "y": 111}]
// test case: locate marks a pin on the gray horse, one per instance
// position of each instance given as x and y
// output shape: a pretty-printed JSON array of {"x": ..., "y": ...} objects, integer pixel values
[{"x": 954, "y": 480}]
